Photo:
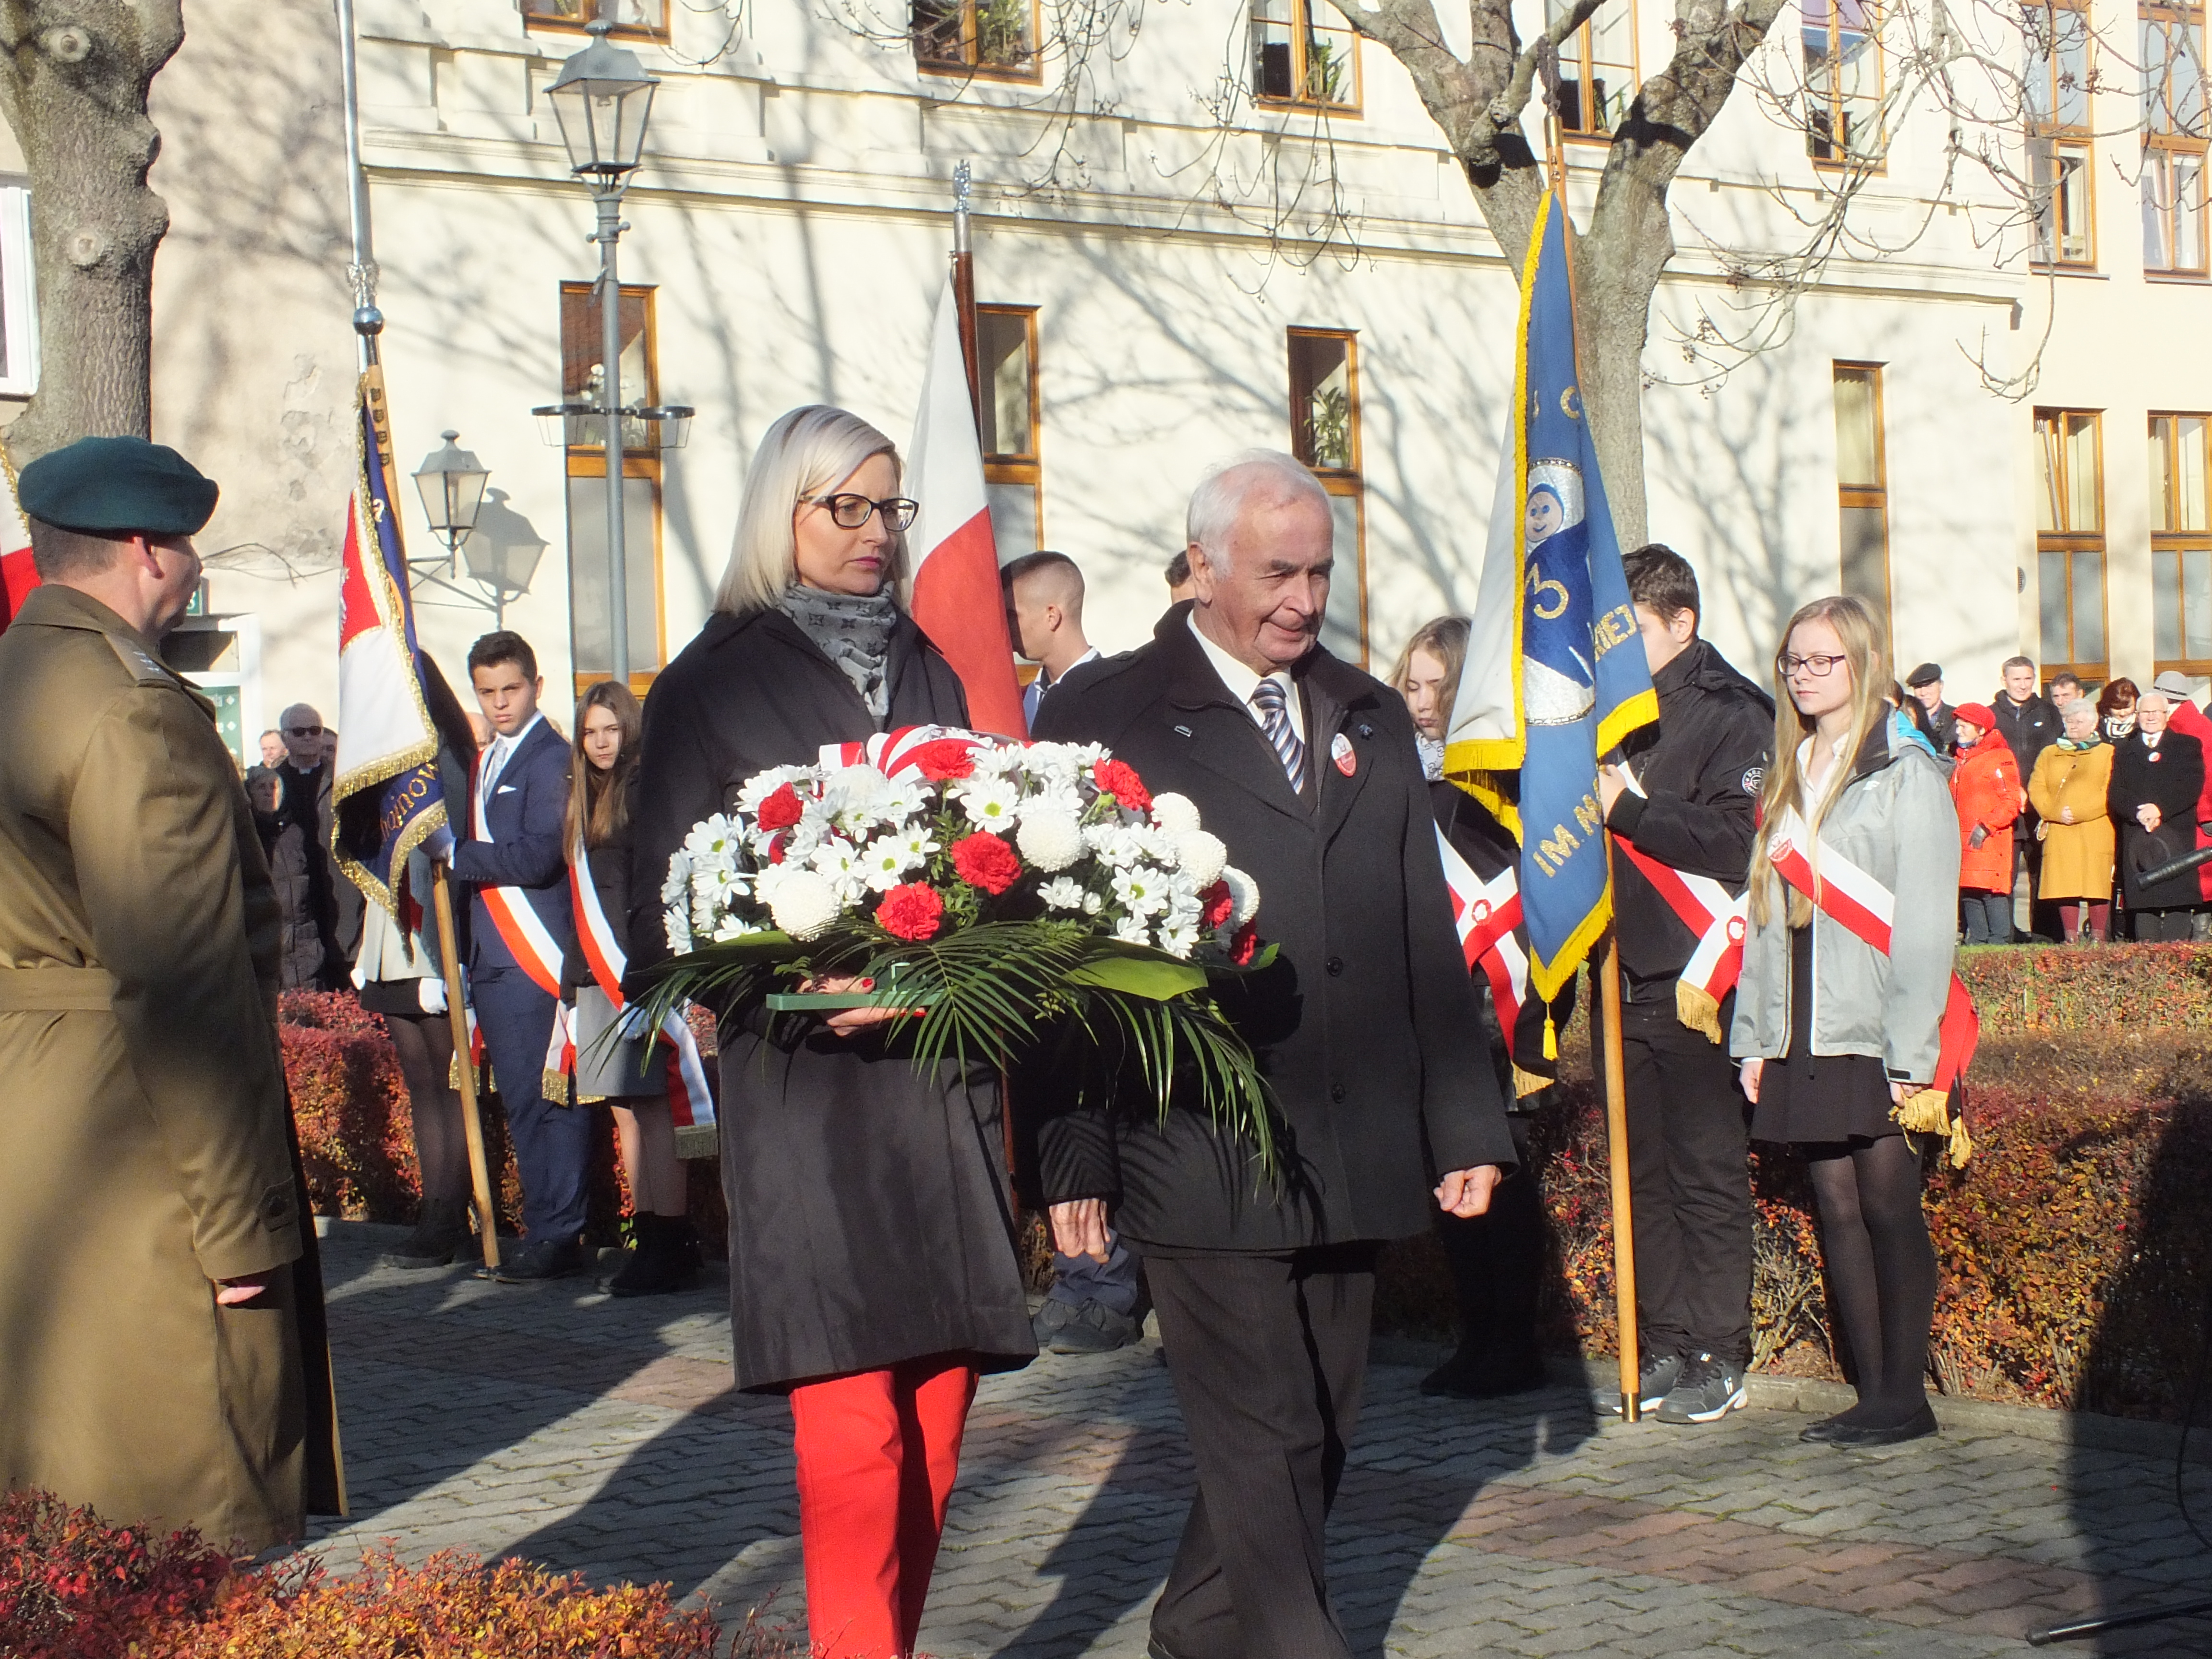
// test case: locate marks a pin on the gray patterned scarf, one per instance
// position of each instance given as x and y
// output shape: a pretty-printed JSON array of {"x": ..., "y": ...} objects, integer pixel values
[{"x": 854, "y": 631}]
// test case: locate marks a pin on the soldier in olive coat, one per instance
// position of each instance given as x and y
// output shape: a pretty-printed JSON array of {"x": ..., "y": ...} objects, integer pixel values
[{"x": 151, "y": 1211}]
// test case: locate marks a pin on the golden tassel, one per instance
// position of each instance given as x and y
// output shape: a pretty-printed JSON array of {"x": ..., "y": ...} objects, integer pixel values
[
  {"x": 1924, "y": 1112},
  {"x": 1551, "y": 1036},
  {"x": 1699, "y": 1009},
  {"x": 555, "y": 1087}
]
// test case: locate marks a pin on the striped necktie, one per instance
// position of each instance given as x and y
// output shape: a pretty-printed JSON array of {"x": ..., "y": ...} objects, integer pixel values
[{"x": 1275, "y": 721}]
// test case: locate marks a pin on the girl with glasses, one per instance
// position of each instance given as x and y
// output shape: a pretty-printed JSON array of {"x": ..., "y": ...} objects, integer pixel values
[
  {"x": 1833, "y": 1033},
  {"x": 873, "y": 1273}
]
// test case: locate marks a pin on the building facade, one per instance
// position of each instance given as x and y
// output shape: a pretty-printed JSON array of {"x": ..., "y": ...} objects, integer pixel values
[{"x": 1197, "y": 228}]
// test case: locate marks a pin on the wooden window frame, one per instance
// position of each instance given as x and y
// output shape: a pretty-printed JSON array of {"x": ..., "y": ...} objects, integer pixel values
[
  {"x": 537, "y": 23},
  {"x": 2062, "y": 141},
  {"x": 1845, "y": 155},
  {"x": 2073, "y": 543},
  {"x": 1579, "y": 50},
  {"x": 589, "y": 460},
  {"x": 2180, "y": 543},
  {"x": 1303, "y": 29},
  {"x": 2166, "y": 147},
  {"x": 970, "y": 63},
  {"x": 1006, "y": 468},
  {"x": 1861, "y": 496},
  {"x": 1345, "y": 483}
]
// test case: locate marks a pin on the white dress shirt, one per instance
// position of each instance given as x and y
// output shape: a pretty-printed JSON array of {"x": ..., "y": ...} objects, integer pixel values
[
  {"x": 1243, "y": 683},
  {"x": 496, "y": 759}
]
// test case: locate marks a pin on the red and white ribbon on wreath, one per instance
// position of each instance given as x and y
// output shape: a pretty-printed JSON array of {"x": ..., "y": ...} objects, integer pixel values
[
  {"x": 690, "y": 1101},
  {"x": 896, "y": 753},
  {"x": 1862, "y": 907},
  {"x": 1718, "y": 921},
  {"x": 535, "y": 951},
  {"x": 1485, "y": 915}
]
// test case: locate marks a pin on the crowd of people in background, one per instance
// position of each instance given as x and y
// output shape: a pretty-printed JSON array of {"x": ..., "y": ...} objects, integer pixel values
[{"x": 2071, "y": 799}]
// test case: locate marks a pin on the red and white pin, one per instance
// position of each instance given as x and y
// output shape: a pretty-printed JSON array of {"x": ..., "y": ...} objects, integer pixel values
[{"x": 1339, "y": 750}]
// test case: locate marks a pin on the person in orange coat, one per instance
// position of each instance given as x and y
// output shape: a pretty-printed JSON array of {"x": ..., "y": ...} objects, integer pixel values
[{"x": 1985, "y": 787}]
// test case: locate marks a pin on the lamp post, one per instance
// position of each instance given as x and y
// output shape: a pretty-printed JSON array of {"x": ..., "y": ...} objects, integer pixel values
[
  {"x": 452, "y": 481},
  {"x": 602, "y": 98}
]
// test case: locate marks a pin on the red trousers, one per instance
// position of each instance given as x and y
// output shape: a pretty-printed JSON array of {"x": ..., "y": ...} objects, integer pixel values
[{"x": 877, "y": 1451}]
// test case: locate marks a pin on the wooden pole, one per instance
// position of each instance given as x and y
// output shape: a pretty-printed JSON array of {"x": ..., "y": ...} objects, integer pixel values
[
  {"x": 1616, "y": 1138},
  {"x": 471, "y": 1123}
]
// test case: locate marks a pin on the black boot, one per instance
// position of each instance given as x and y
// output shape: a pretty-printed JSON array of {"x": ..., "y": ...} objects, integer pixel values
[
  {"x": 441, "y": 1232},
  {"x": 666, "y": 1258}
]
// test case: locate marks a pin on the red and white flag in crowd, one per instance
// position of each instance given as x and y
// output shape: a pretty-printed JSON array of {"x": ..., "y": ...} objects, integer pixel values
[
  {"x": 18, "y": 575},
  {"x": 957, "y": 600}
]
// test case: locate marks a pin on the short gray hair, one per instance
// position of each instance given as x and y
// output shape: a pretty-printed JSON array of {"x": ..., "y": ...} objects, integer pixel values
[
  {"x": 809, "y": 450},
  {"x": 1223, "y": 488}
]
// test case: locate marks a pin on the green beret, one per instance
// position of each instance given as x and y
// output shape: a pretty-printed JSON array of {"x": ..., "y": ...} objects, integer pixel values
[{"x": 108, "y": 486}]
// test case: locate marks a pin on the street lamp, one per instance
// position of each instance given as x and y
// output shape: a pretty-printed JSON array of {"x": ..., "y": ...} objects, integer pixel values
[
  {"x": 451, "y": 481},
  {"x": 602, "y": 98}
]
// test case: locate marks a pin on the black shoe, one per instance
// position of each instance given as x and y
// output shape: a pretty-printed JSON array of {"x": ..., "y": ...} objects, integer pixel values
[
  {"x": 1919, "y": 1426},
  {"x": 441, "y": 1232},
  {"x": 545, "y": 1258},
  {"x": 1488, "y": 1374},
  {"x": 1094, "y": 1328},
  {"x": 1653, "y": 1384},
  {"x": 1709, "y": 1389},
  {"x": 666, "y": 1259}
]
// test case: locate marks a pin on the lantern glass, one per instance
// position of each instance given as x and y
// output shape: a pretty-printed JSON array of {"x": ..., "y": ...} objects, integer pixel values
[
  {"x": 451, "y": 481},
  {"x": 602, "y": 99}
]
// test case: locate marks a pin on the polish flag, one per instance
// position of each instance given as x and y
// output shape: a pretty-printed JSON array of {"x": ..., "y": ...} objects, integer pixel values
[
  {"x": 18, "y": 575},
  {"x": 956, "y": 560}
]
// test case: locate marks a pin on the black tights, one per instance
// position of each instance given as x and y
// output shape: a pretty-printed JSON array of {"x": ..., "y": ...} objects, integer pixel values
[
  {"x": 425, "y": 1043},
  {"x": 1881, "y": 1269}
]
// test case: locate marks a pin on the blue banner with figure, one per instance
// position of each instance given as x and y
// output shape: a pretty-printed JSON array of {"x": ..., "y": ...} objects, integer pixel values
[{"x": 1572, "y": 681}]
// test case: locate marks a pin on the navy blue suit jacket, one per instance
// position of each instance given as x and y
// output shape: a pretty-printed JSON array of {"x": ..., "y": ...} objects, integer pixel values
[{"x": 528, "y": 814}]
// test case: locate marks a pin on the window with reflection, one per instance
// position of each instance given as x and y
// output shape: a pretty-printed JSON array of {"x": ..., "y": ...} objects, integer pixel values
[
  {"x": 1861, "y": 485},
  {"x": 635, "y": 19},
  {"x": 1597, "y": 68},
  {"x": 994, "y": 38},
  {"x": 2060, "y": 150},
  {"x": 2069, "y": 541},
  {"x": 1324, "y": 366},
  {"x": 1013, "y": 475},
  {"x": 1843, "y": 81},
  {"x": 583, "y": 380},
  {"x": 2181, "y": 541},
  {"x": 2171, "y": 44},
  {"x": 1304, "y": 54}
]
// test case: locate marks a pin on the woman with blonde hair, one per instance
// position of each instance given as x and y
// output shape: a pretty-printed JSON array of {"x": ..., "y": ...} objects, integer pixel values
[
  {"x": 873, "y": 1273},
  {"x": 1426, "y": 674},
  {"x": 1834, "y": 1032}
]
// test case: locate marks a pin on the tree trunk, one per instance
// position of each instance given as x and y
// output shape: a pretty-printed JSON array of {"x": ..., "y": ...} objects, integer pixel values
[{"x": 73, "y": 83}]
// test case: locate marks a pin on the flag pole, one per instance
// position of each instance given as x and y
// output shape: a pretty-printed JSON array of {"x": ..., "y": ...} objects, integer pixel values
[
  {"x": 963, "y": 289},
  {"x": 1613, "y": 1063},
  {"x": 465, "y": 1064}
]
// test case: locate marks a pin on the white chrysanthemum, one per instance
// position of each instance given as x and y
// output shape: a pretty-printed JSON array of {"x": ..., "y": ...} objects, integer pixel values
[
  {"x": 1178, "y": 941},
  {"x": 1201, "y": 856},
  {"x": 1176, "y": 814},
  {"x": 713, "y": 841},
  {"x": 1243, "y": 895},
  {"x": 990, "y": 803},
  {"x": 679, "y": 928},
  {"x": 1113, "y": 843},
  {"x": 1064, "y": 893},
  {"x": 902, "y": 798},
  {"x": 841, "y": 864},
  {"x": 759, "y": 786},
  {"x": 885, "y": 861},
  {"x": 1050, "y": 840},
  {"x": 854, "y": 797},
  {"x": 735, "y": 927},
  {"x": 1092, "y": 904},
  {"x": 1141, "y": 890},
  {"x": 803, "y": 901},
  {"x": 995, "y": 760},
  {"x": 1185, "y": 909},
  {"x": 1059, "y": 765},
  {"x": 678, "y": 882},
  {"x": 1131, "y": 930},
  {"x": 915, "y": 844}
]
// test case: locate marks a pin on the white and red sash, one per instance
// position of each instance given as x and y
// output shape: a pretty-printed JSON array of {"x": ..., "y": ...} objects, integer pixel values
[
  {"x": 895, "y": 753},
  {"x": 1862, "y": 907},
  {"x": 532, "y": 945},
  {"x": 1718, "y": 921},
  {"x": 689, "y": 1102},
  {"x": 1485, "y": 915}
]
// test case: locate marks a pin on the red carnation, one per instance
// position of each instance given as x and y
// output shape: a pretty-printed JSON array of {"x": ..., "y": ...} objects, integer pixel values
[
  {"x": 1119, "y": 778},
  {"x": 775, "y": 849},
  {"x": 1220, "y": 904},
  {"x": 911, "y": 910},
  {"x": 985, "y": 862},
  {"x": 782, "y": 810},
  {"x": 946, "y": 759},
  {"x": 1242, "y": 943}
]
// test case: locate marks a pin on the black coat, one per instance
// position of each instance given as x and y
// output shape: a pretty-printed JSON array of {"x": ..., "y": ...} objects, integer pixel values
[
  {"x": 1365, "y": 1024},
  {"x": 1701, "y": 767},
  {"x": 2170, "y": 777},
  {"x": 2029, "y": 728},
  {"x": 870, "y": 1218}
]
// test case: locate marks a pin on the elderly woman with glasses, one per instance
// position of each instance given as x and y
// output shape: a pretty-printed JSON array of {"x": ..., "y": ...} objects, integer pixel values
[{"x": 873, "y": 1273}]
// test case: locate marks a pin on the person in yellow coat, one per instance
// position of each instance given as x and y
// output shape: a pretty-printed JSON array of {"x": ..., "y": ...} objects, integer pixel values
[
  {"x": 156, "y": 1263},
  {"x": 2067, "y": 790}
]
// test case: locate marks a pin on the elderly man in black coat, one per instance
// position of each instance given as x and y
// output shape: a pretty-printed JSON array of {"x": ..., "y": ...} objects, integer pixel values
[{"x": 1365, "y": 1025}]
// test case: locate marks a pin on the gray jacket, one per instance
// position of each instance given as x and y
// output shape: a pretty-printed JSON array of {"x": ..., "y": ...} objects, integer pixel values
[{"x": 1894, "y": 819}]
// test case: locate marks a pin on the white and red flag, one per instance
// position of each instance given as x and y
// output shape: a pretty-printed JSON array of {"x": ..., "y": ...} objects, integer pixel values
[
  {"x": 955, "y": 557},
  {"x": 18, "y": 575}
]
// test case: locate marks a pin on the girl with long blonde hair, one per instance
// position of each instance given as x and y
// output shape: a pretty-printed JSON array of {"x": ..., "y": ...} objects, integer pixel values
[{"x": 1832, "y": 1033}]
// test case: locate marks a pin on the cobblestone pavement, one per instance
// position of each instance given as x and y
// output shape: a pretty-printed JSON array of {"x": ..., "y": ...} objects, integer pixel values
[{"x": 553, "y": 1422}]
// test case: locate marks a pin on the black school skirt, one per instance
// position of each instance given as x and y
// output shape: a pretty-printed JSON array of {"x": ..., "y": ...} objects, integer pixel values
[{"x": 1807, "y": 1097}]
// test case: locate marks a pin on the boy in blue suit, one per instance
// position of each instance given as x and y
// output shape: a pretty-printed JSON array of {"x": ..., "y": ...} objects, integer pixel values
[{"x": 511, "y": 856}]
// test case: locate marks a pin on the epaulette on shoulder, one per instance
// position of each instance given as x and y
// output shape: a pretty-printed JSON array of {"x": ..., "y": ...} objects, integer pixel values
[{"x": 140, "y": 663}]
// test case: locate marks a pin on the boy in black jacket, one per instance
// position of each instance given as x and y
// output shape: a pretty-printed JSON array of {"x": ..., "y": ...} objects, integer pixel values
[{"x": 1684, "y": 796}]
